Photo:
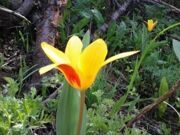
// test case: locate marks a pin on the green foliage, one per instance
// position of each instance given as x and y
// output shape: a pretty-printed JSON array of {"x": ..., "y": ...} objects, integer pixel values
[
  {"x": 159, "y": 67},
  {"x": 135, "y": 131},
  {"x": 20, "y": 116},
  {"x": 78, "y": 17},
  {"x": 1, "y": 60},
  {"x": 176, "y": 48},
  {"x": 15, "y": 85},
  {"x": 68, "y": 111},
  {"x": 145, "y": 52},
  {"x": 165, "y": 129},
  {"x": 117, "y": 106},
  {"x": 5, "y": 3},
  {"x": 12, "y": 86},
  {"x": 100, "y": 83},
  {"x": 116, "y": 34},
  {"x": 86, "y": 39},
  {"x": 162, "y": 90},
  {"x": 24, "y": 38},
  {"x": 78, "y": 26},
  {"x": 101, "y": 121}
]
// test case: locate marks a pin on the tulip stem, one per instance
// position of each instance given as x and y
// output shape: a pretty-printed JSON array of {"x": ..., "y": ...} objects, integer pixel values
[
  {"x": 82, "y": 100},
  {"x": 166, "y": 29}
]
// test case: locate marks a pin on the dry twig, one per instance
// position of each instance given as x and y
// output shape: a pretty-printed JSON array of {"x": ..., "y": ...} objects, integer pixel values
[
  {"x": 161, "y": 2},
  {"x": 53, "y": 95},
  {"x": 119, "y": 12},
  {"x": 9, "y": 11},
  {"x": 148, "y": 108}
]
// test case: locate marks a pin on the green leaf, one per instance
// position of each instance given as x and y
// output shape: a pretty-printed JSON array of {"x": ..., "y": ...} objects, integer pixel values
[
  {"x": 98, "y": 16},
  {"x": 12, "y": 86},
  {"x": 117, "y": 106},
  {"x": 176, "y": 48},
  {"x": 86, "y": 39},
  {"x": 78, "y": 26},
  {"x": 86, "y": 13},
  {"x": 68, "y": 112},
  {"x": 111, "y": 30},
  {"x": 133, "y": 104},
  {"x": 163, "y": 89}
]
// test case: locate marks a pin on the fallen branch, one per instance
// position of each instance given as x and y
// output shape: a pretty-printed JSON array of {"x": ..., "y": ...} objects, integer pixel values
[
  {"x": 47, "y": 32},
  {"x": 148, "y": 108},
  {"x": 53, "y": 95},
  {"x": 164, "y": 3},
  {"x": 25, "y": 7},
  {"x": 9, "y": 11},
  {"x": 119, "y": 12},
  {"x": 10, "y": 17}
]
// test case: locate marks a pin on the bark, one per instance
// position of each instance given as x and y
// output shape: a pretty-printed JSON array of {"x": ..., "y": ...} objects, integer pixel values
[
  {"x": 161, "y": 2},
  {"x": 9, "y": 17},
  {"x": 46, "y": 32},
  {"x": 148, "y": 108},
  {"x": 119, "y": 12},
  {"x": 25, "y": 7},
  {"x": 46, "y": 21}
]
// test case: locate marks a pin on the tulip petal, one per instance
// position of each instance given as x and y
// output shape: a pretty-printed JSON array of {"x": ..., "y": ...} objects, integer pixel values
[
  {"x": 71, "y": 75},
  {"x": 73, "y": 49},
  {"x": 155, "y": 23},
  {"x": 91, "y": 60},
  {"x": 68, "y": 71},
  {"x": 119, "y": 56},
  {"x": 54, "y": 54},
  {"x": 47, "y": 68},
  {"x": 151, "y": 24},
  {"x": 150, "y": 21}
]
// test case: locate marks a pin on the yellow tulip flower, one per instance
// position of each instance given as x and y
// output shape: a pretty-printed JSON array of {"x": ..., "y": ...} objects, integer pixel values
[
  {"x": 151, "y": 24},
  {"x": 80, "y": 67}
]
